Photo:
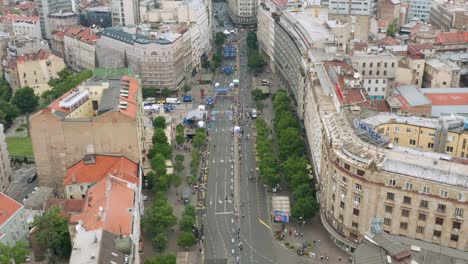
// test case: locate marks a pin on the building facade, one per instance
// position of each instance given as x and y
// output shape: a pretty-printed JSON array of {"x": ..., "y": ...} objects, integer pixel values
[
  {"x": 448, "y": 15},
  {"x": 96, "y": 16},
  {"x": 243, "y": 12},
  {"x": 5, "y": 169},
  {"x": 125, "y": 13},
  {"x": 46, "y": 7},
  {"x": 102, "y": 116},
  {"x": 13, "y": 226},
  {"x": 348, "y": 7},
  {"x": 158, "y": 58},
  {"x": 62, "y": 21},
  {"x": 22, "y": 25},
  {"x": 80, "y": 48},
  {"x": 378, "y": 72},
  {"x": 441, "y": 74},
  {"x": 419, "y": 9},
  {"x": 416, "y": 194},
  {"x": 389, "y": 10},
  {"x": 34, "y": 70}
]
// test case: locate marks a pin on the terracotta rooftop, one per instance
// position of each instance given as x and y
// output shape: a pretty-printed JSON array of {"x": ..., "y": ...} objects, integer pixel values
[
  {"x": 452, "y": 37},
  {"x": 67, "y": 206},
  {"x": 26, "y": 5},
  {"x": 15, "y": 18},
  {"x": 109, "y": 205},
  {"x": 448, "y": 98},
  {"x": 389, "y": 41},
  {"x": 133, "y": 87},
  {"x": 40, "y": 55},
  {"x": 82, "y": 34},
  {"x": 59, "y": 34},
  {"x": 85, "y": 171},
  {"x": 8, "y": 207}
]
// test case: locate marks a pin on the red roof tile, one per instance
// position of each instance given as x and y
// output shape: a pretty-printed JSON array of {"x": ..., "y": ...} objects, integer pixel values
[
  {"x": 118, "y": 166},
  {"x": 82, "y": 34},
  {"x": 447, "y": 98},
  {"x": 452, "y": 37},
  {"x": 12, "y": 18},
  {"x": 68, "y": 206},
  {"x": 109, "y": 206},
  {"x": 390, "y": 41},
  {"x": 8, "y": 207},
  {"x": 133, "y": 86},
  {"x": 40, "y": 55}
]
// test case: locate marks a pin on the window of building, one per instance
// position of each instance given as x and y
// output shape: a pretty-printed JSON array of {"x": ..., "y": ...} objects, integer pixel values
[
  {"x": 333, "y": 197},
  {"x": 376, "y": 89},
  {"x": 363, "y": 64},
  {"x": 441, "y": 208},
  {"x": 426, "y": 189},
  {"x": 356, "y": 212},
  {"x": 409, "y": 186},
  {"x": 454, "y": 237},
  {"x": 358, "y": 187},
  {"x": 395, "y": 140},
  {"x": 353, "y": 235},
  {"x": 449, "y": 149},
  {"x": 342, "y": 205},
  {"x": 385, "y": 73},
  {"x": 420, "y": 229},
  {"x": 390, "y": 196},
  {"x": 464, "y": 143},
  {"x": 405, "y": 212},
  {"x": 443, "y": 193},
  {"x": 377, "y": 80},
  {"x": 357, "y": 199},
  {"x": 387, "y": 221},
  {"x": 456, "y": 225},
  {"x": 347, "y": 166},
  {"x": 430, "y": 145},
  {"x": 439, "y": 221},
  {"x": 341, "y": 217},
  {"x": 393, "y": 65},
  {"x": 370, "y": 72},
  {"x": 385, "y": 65},
  {"x": 407, "y": 200},
  {"x": 360, "y": 173},
  {"x": 444, "y": 83},
  {"x": 371, "y": 64},
  {"x": 344, "y": 180},
  {"x": 369, "y": 81},
  {"x": 397, "y": 129},
  {"x": 408, "y": 130},
  {"x": 458, "y": 211},
  {"x": 460, "y": 197},
  {"x": 437, "y": 233},
  {"x": 404, "y": 225},
  {"x": 388, "y": 209},
  {"x": 391, "y": 182},
  {"x": 355, "y": 225},
  {"x": 424, "y": 204},
  {"x": 422, "y": 217}
]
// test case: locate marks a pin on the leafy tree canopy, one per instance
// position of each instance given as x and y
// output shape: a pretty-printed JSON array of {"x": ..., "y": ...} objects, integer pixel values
[{"x": 25, "y": 99}]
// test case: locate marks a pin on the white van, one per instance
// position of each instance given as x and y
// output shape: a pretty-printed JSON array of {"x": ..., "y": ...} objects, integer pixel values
[{"x": 170, "y": 100}]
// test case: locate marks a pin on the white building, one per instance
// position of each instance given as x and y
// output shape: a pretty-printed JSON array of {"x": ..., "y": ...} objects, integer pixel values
[
  {"x": 5, "y": 169},
  {"x": 378, "y": 72},
  {"x": 124, "y": 13},
  {"x": 193, "y": 13},
  {"x": 243, "y": 12},
  {"x": 80, "y": 48},
  {"x": 13, "y": 226},
  {"x": 46, "y": 7},
  {"x": 352, "y": 7},
  {"x": 22, "y": 25}
]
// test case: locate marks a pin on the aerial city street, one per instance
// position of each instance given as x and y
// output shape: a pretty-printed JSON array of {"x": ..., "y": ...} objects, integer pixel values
[{"x": 234, "y": 131}]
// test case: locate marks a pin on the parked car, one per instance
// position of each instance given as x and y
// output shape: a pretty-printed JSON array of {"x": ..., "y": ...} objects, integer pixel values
[{"x": 33, "y": 178}]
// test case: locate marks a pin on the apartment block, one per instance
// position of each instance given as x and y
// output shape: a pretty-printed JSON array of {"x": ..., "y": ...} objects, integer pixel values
[
  {"x": 389, "y": 11},
  {"x": 102, "y": 115},
  {"x": 46, "y": 7},
  {"x": 93, "y": 168},
  {"x": 62, "y": 21},
  {"x": 80, "y": 48},
  {"x": 441, "y": 74},
  {"x": 34, "y": 70},
  {"x": 348, "y": 7},
  {"x": 156, "y": 56},
  {"x": 22, "y": 25},
  {"x": 378, "y": 72},
  {"x": 13, "y": 226},
  {"x": 451, "y": 41},
  {"x": 447, "y": 15},
  {"x": 5, "y": 169},
  {"x": 243, "y": 12},
  {"x": 419, "y": 9},
  {"x": 124, "y": 13}
]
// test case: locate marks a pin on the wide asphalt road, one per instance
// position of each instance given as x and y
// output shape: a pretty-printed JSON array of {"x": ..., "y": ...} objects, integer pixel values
[{"x": 224, "y": 233}]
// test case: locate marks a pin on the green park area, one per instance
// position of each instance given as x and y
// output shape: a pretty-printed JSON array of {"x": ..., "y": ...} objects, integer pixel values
[{"x": 20, "y": 146}]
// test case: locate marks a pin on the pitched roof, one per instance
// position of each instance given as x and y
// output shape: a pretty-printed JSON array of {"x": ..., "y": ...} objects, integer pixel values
[
  {"x": 18, "y": 18},
  {"x": 42, "y": 54},
  {"x": 452, "y": 37},
  {"x": 109, "y": 205},
  {"x": 8, "y": 207},
  {"x": 67, "y": 206},
  {"x": 389, "y": 41},
  {"x": 83, "y": 34},
  {"x": 103, "y": 166}
]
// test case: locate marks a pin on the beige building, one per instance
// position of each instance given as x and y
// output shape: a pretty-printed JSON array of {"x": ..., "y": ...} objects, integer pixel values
[
  {"x": 342, "y": 31},
  {"x": 34, "y": 70},
  {"x": 157, "y": 57},
  {"x": 418, "y": 194},
  {"x": 80, "y": 48},
  {"x": 5, "y": 169},
  {"x": 243, "y": 12},
  {"x": 389, "y": 11},
  {"x": 447, "y": 15},
  {"x": 99, "y": 116},
  {"x": 441, "y": 74},
  {"x": 124, "y": 13},
  {"x": 411, "y": 67}
]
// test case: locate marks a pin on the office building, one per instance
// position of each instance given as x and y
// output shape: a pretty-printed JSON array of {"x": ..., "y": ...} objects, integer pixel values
[
  {"x": 125, "y": 12},
  {"x": 419, "y": 9},
  {"x": 447, "y": 15}
]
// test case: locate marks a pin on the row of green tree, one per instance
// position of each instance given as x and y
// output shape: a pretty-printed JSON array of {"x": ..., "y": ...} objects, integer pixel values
[
  {"x": 160, "y": 217},
  {"x": 198, "y": 141},
  {"x": 255, "y": 60},
  {"x": 266, "y": 157},
  {"x": 163, "y": 259},
  {"x": 187, "y": 224},
  {"x": 294, "y": 165}
]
